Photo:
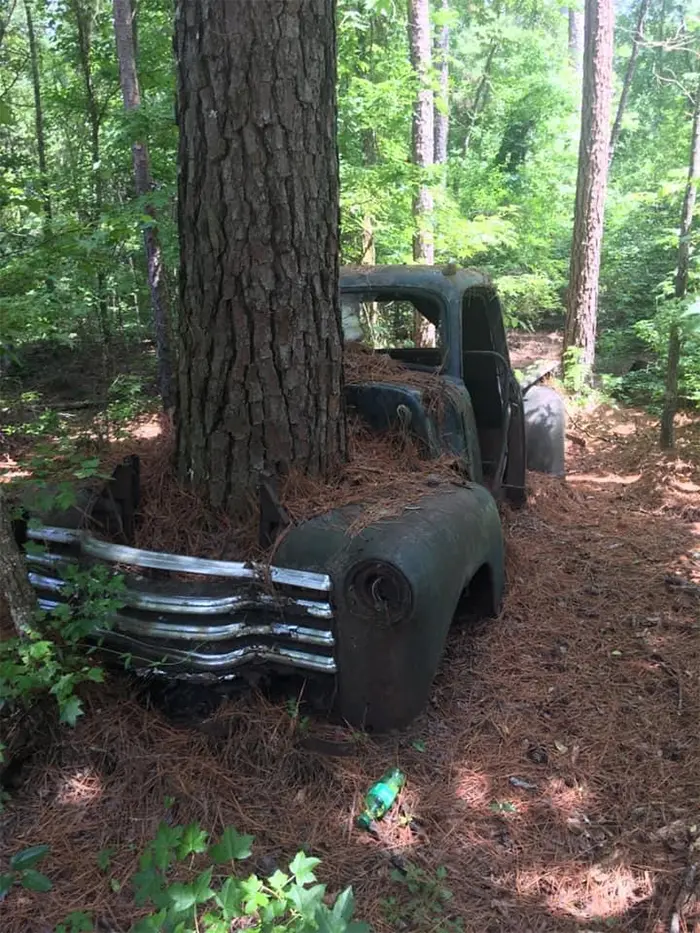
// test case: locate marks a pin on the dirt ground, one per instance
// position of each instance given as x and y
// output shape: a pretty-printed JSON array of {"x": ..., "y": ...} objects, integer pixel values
[{"x": 587, "y": 688}]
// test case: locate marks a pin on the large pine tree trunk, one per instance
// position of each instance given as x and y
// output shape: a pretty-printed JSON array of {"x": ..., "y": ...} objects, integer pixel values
[
  {"x": 675, "y": 344},
  {"x": 38, "y": 116},
  {"x": 143, "y": 184},
  {"x": 591, "y": 184},
  {"x": 260, "y": 361},
  {"x": 423, "y": 133},
  {"x": 442, "y": 110},
  {"x": 629, "y": 75}
]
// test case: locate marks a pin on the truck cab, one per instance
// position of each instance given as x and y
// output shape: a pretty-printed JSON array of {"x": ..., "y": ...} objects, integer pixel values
[{"x": 457, "y": 317}]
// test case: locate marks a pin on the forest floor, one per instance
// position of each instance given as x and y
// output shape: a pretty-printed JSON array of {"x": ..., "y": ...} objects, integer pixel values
[{"x": 587, "y": 688}]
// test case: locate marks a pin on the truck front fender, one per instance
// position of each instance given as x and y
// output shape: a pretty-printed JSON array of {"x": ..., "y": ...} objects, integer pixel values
[{"x": 395, "y": 588}]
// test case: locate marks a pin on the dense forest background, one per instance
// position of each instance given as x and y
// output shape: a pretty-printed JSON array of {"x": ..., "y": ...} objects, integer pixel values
[{"x": 72, "y": 264}]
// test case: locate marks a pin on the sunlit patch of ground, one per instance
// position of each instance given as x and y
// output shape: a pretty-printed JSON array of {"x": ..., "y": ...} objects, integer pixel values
[{"x": 554, "y": 775}]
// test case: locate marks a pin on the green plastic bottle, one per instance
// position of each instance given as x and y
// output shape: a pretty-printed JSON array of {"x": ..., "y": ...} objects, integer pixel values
[{"x": 380, "y": 797}]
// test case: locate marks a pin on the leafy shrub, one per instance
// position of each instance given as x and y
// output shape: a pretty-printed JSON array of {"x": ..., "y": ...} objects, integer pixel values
[{"x": 215, "y": 898}]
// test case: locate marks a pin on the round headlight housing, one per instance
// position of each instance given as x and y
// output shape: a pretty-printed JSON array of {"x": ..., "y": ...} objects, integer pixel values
[{"x": 379, "y": 591}]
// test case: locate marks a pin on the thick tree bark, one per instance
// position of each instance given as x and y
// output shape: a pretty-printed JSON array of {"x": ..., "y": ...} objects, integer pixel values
[
  {"x": 38, "y": 116},
  {"x": 14, "y": 583},
  {"x": 260, "y": 363},
  {"x": 423, "y": 141},
  {"x": 675, "y": 342},
  {"x": 629, "y": 75},
  {"x": 591, "y": 184},
  {"x": 442, "y": 110},
  {"x": 143, "y": 184},
  {"x": 576, "y": 40}
]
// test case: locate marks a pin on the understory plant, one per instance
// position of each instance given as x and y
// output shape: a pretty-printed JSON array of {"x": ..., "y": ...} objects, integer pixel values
[{"x": 216, "y": 897}]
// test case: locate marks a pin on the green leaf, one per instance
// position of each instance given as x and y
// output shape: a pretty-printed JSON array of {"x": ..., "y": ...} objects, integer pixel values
[
  {"x": 194, "y": 839},
  {"x": 232, "y": 846},
  {"x": 181, "y": 896},
  {"x": 344, "y": 906},
  {"x": 302, "y": 868},
  {"x": 34, "y": 881},
  {"x": 253, "y": 895},
  {"x": 229, "y": 898},
  {"x": 6, "y": 882},
  {"x": 71, "y": 710},
  {"x": 28, "y": 858},
  {"x": 201, "y": 885},
  {"x": 166, "y": 841},
  {"x": 307, "y": 900},
  {"x": 278, "y": 881},
  {"x": 104, "y": 857},
  {"x": 76, "y": 922}
]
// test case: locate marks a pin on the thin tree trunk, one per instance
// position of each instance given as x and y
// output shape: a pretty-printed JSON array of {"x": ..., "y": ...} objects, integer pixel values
[
  {"x": 576, "y": 40},
  {"x": 14, "y": 582},
  {"x": 82, "y": 18},
  {"x": 675, "y": 342},
  {"x": 260, "y": 362},
  {"x": 38, "y": 118},
  {"x": 5, "y": 20},
  {"x": 143, "y": 184},
  {"x": 423, "y": 136},
  {"x": 480, "y": 96},
  {"x": 629, "y": 75},
  {"x": 423, "y": 145},
  {"x": 442, "y": 108},
  {"x": 591, "y": 184}
]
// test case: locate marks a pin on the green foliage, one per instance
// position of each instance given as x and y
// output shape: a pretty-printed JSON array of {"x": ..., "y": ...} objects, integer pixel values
[
  {"x": 423, "y": 903},
  {"x": 51, "y": 658},
  {"x": 23, "y": 873},
  {"x": 209, "y": 900},
  {"x": 503, "y": 201},
  {"x": 285, "y": 902}
]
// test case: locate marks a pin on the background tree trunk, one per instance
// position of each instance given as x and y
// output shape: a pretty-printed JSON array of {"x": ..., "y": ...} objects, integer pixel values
[
  {"x": 423, "y": 135},
  {"x": 423, "y": 145},
  {"x": 260, "y": 361},
  {"x": 576, "y": 40},
  {"x": 14, "y": 583},
  {"x": 38, "y": 117},
  {"x": 442, "y": 112},
  {"x": 84, "y": 27},
  {"x": 591, "y": 184},
  {"x": 143, "y": 184},
  {"x": 675, "y": 343},
  {"x": 480, "y": 96},
  {"x": 629, "y": 75}
]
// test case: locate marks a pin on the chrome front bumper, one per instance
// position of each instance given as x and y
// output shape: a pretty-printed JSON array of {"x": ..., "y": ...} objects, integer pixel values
[{"x": 206, "y": 629}]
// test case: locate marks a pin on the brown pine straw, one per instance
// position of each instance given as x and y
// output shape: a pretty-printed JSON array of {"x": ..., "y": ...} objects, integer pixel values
[
  {"x": 384, "y": 474},
  {"x": 588, "y": 686}
]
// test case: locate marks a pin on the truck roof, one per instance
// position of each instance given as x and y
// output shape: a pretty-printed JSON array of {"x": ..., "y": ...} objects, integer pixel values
[{"x": 445, "y": 279}]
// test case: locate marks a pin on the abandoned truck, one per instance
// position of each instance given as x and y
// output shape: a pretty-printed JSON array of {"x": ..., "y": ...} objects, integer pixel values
[{"x": 368, "y": 612}]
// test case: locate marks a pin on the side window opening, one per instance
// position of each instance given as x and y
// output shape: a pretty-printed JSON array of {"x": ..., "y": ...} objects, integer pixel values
[{"x": 393, "y": 323}]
